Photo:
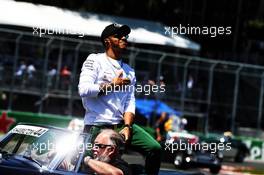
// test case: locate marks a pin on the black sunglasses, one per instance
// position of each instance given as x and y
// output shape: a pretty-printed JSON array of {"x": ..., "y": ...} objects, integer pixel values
[
  {"x": 119, "y": 36},
  {"x": 102, "y": 146}
]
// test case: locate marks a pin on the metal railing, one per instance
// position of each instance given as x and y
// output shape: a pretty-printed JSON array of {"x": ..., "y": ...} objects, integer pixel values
[{"x": 195, "y": 86}]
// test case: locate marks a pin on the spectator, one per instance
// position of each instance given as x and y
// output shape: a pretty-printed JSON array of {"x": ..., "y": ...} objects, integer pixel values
[
  {"x": 30, "y": 74},
  {"x": 151, "y": 82},
  {"x": 30, "y": 71},
  {"x": 21, "y": 70},
  {"x": 52, "y": 72},
  {"x": 65, "y": 77},
  {"x": 175, "y": 124},
  {"x": 107, "y": 150},
  {"x": 65, "y": 72},
  {"x": 161, "y": 79},
  {"x": 20, "y": 73},
  {"x": 161, "y": 94},
  {"x": 189, "y": 87},
  {"x": 51, "y": 75},
  {"x": 190, "y": 82},
  {"x": 160, "y": 127}
]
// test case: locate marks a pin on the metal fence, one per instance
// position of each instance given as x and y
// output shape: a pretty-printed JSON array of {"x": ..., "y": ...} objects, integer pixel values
[{"x": 221, "y": 95}]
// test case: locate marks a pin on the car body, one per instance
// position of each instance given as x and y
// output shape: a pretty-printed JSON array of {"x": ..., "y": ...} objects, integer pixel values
[
  {"x": 184, "y": 157},
  {"x": 36, "y": 149},
  {"x": 238, "y": 152},
  {"x": 33, "y": 149}
]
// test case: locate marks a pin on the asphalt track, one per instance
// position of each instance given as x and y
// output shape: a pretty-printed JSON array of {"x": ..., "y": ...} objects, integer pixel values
[{"x": 228, "y": 168}]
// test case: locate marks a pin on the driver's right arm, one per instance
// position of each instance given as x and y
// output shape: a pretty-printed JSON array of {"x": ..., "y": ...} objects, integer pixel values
[{"x": 102, "y": 168}]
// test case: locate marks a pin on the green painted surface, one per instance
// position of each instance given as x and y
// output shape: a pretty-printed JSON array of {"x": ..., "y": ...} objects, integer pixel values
[{"x": 46, "y": 119}]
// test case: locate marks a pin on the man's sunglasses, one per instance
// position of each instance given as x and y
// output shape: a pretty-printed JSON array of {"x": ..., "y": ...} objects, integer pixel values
[
  {"x": 120, "y": 36},
  {"x": 102, "y": 146}
]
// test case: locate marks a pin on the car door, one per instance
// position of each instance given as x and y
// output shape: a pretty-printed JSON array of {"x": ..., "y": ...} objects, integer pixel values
[{"x": 72, "y": 161}]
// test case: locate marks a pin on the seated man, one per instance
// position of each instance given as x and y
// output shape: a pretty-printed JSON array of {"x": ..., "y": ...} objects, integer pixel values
[{"x": 107, "y": 149}]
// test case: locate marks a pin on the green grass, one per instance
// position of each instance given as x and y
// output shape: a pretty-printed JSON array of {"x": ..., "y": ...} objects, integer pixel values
[{"x": 255, "y": 171}]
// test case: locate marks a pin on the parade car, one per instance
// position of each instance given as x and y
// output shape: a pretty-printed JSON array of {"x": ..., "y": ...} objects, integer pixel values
[
  {"x": 43, "y": 150},
  {"x": 182, "y": 149},
  {"x": 35, "y": 149},
  {"x": 239, "y": 150}
]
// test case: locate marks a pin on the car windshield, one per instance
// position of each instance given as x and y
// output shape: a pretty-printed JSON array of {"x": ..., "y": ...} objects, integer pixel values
[{"x": 38, "y": 144}]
